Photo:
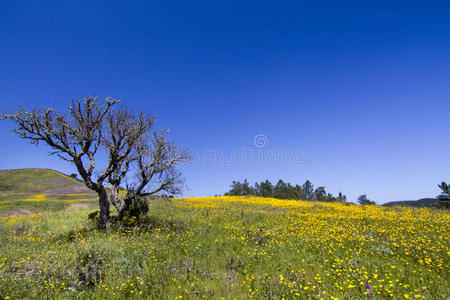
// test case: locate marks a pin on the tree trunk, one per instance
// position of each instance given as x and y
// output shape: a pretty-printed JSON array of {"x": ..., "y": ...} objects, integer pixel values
[
  {"x": 126, "y": 205},
  {"x": 115, "y": 198},
  {"x": 104, "y": 208}
]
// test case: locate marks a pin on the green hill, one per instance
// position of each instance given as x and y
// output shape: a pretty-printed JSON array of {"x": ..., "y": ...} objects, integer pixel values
[
  {"x": 34, "y": 180},
  {"x": 26, "y": 191},
  {"x": 425, "y": 202}
]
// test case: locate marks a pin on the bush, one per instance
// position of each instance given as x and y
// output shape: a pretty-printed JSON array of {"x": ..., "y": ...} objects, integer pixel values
[
  {"x": 94, "y": 216},
  {"x": 137, "y": 209}
]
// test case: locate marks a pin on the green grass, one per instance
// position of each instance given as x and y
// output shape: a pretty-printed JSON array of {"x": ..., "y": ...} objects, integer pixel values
[
  {"x": 229, "y": 248},
  {"x": 27, "y": 191},
  {"x": 13, "y": 204},
  {"x": 26, "y": 207},
  {"x": 35, "y": 180}
]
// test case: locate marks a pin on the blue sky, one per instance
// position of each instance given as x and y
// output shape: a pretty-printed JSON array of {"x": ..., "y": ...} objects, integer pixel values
[{"x": 361, "y": 88}]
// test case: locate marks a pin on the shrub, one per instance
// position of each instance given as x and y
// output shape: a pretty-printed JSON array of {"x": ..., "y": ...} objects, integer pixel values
[
  {"x": 137, "y": 209},
  {"x": 94, "y": 217}
]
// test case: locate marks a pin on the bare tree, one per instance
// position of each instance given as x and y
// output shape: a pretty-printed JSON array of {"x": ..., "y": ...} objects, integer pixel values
[{"x": 130, "y": 141}]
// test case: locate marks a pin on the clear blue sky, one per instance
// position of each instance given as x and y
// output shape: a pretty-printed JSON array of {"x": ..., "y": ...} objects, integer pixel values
[{"x": 361, "y": 88}]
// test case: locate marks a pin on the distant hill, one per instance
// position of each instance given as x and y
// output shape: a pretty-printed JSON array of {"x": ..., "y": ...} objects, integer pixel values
[
  {"x": 25, "y": 191},
  {"x": 34, "y": 180},
  {"x": 425, "y": 202}
]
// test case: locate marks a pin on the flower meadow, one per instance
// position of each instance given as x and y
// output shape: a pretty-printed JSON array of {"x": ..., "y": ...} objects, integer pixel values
[{"x": 230, "y": 248}]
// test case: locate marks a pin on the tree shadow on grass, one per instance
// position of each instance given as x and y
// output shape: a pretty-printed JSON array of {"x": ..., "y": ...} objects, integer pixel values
[
  {"x": 73, "y": 235},
  {"x": 148, "y": 224},
  {"x": 129, "y": 226}
]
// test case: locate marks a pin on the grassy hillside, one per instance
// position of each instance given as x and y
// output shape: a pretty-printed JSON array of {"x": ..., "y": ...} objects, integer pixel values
[
  {"x": 231, "y": 248},
  {"x": 34, "y": 180},
  {"x": 26, "y": 191}
]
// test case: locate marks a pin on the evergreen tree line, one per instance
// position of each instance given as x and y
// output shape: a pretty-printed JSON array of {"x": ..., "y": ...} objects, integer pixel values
[{"x": 284, "y": 190}]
